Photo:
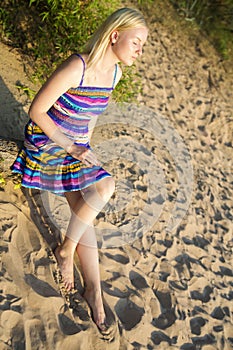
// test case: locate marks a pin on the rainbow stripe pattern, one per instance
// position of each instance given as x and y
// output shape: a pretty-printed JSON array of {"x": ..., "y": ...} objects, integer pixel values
[{"x": 46, "y": 166}]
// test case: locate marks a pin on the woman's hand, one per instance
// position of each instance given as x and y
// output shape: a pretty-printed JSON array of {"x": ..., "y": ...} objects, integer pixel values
[{"x": 82, "y": 153}]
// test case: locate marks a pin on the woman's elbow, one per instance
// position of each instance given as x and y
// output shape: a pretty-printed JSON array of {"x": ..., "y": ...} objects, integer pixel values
[
  {"x": 33, "y": 113},
  {"x": 30, "y": 114}
]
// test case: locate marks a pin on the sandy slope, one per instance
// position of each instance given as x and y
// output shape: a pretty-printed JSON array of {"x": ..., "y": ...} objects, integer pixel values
[{"x": 166, "y": 236}]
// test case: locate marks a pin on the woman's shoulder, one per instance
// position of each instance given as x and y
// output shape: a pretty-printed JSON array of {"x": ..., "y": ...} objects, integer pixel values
[
  {"x": 74, "y": 67},
  {"x": 75, "y": 61}
]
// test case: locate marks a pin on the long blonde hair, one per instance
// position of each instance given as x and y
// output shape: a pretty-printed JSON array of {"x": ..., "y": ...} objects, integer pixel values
[{"x": 122, "y": 19}]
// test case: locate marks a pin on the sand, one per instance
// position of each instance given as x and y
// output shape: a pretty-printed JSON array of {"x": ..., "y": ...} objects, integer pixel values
[{"x": 165, "y": 237}]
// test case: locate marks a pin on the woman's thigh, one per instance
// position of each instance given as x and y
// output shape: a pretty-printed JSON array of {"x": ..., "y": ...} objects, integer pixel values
[{"x": 99, "y": 192}]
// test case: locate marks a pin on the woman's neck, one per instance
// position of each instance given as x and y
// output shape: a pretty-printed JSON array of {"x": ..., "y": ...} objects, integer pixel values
[
  {"x": 107, "y": 61},
  {"x": 100, "y": 74}
]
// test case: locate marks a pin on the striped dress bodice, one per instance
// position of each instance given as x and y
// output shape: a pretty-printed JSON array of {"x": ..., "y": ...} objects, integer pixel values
[
  {"x": 74, "y": 109},
  {"x": 45, "y": 165}
]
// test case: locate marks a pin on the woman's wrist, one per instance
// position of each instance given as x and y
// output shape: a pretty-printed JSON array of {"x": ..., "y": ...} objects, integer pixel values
[
  {"x": 62, "y": 140},
  {"x": 69, "y": 147}
]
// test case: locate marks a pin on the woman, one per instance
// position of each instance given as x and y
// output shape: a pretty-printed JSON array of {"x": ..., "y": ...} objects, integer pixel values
[{"x": 57, "y": 155}]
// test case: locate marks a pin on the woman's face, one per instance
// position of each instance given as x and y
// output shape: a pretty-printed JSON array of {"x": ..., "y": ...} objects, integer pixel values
[{"x": 128, "y": 44}]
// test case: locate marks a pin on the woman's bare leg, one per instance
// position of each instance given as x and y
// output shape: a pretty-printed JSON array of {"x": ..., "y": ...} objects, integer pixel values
[
  {"x": 65, "y": 256},
  {"x": 65, "y": 252},
  {"x": 89, "y": 260},
  {"x": 85, "y": 208}
]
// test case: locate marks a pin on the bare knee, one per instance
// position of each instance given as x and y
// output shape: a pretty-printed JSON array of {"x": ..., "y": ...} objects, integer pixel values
[
  {"x": 97, "y": 195},
  {"x": 106, "y": 188}
]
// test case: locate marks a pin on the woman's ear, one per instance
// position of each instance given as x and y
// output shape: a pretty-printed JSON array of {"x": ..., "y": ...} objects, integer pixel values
[{"x": 114, "y": 37}]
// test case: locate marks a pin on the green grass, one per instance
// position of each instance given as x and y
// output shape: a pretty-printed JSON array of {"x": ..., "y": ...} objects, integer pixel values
[
  {"x": 26, "y": 90},
  {"x": 214, "y": 18},
  {"x": 48, "y": 31}
]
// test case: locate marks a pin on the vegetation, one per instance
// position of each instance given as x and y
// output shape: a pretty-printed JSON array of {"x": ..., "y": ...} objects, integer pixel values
[
  {"x": 51, "y": 29},
  {"x": 47, "y": 31},
  {"x": 215, "y": 19}
]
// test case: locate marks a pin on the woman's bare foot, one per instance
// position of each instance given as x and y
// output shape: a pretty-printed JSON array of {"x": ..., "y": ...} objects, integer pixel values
[
  {"x": 94, "y": 299},
  {"x": 65, "y": 263}
]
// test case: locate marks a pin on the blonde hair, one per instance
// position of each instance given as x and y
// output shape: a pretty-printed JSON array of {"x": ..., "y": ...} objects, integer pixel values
[{"x": 120, "y": 20}]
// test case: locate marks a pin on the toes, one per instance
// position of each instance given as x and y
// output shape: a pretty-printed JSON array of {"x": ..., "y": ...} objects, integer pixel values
[
  {"x": 66, "y": 267},
  {"x": 97, "y": 310},
  {"x": 101, "y": 322},
  {"x": 67, "y": 286},
  {"x": 68, "y": 282},
  {"x": 102, "y": 326}
]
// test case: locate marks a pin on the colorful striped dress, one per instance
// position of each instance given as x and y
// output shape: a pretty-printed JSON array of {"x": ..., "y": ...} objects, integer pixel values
[{"x": 45, "y": 165}]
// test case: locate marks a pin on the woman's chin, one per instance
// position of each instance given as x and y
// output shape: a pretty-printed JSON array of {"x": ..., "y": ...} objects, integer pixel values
[{"x": 128, "y": 63}]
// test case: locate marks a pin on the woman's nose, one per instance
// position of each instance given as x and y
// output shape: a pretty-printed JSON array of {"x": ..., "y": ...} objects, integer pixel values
[{"x": 139, "y": 51}]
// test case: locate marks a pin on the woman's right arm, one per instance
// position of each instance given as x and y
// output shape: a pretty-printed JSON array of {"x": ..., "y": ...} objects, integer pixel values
[{"x": 66, "y": 76}]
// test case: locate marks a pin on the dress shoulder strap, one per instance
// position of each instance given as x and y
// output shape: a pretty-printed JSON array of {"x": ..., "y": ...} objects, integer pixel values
[
  {"x": 115, "y": 74},
  {"x": 84, "y": 68}
]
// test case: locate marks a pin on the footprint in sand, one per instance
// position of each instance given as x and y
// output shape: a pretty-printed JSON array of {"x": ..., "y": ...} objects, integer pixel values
[
  {"x": 41, "y": 287},
  {"x": 203, "y": 296},
  {"x": 118, "y": 258},
  {"x": 188, "y": 346},
  {"x": 157, "y": 337},
  {"x": 219, "y": 313},
  {"x": 137, "y": 280},
  {"x": 196, "y": 324},
  {"x": 167, "y": 316},
  {"x": 207, "y": 339},
  {"x": 119, "y": 291},
  {"x": 67, "y": 325},
  {"x": 129, "y": 313}
]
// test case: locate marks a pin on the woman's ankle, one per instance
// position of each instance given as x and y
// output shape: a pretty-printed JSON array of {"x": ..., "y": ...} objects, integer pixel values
[
  {"x": 67, "y": 248},
  {"x": 93, "y": 288}
]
